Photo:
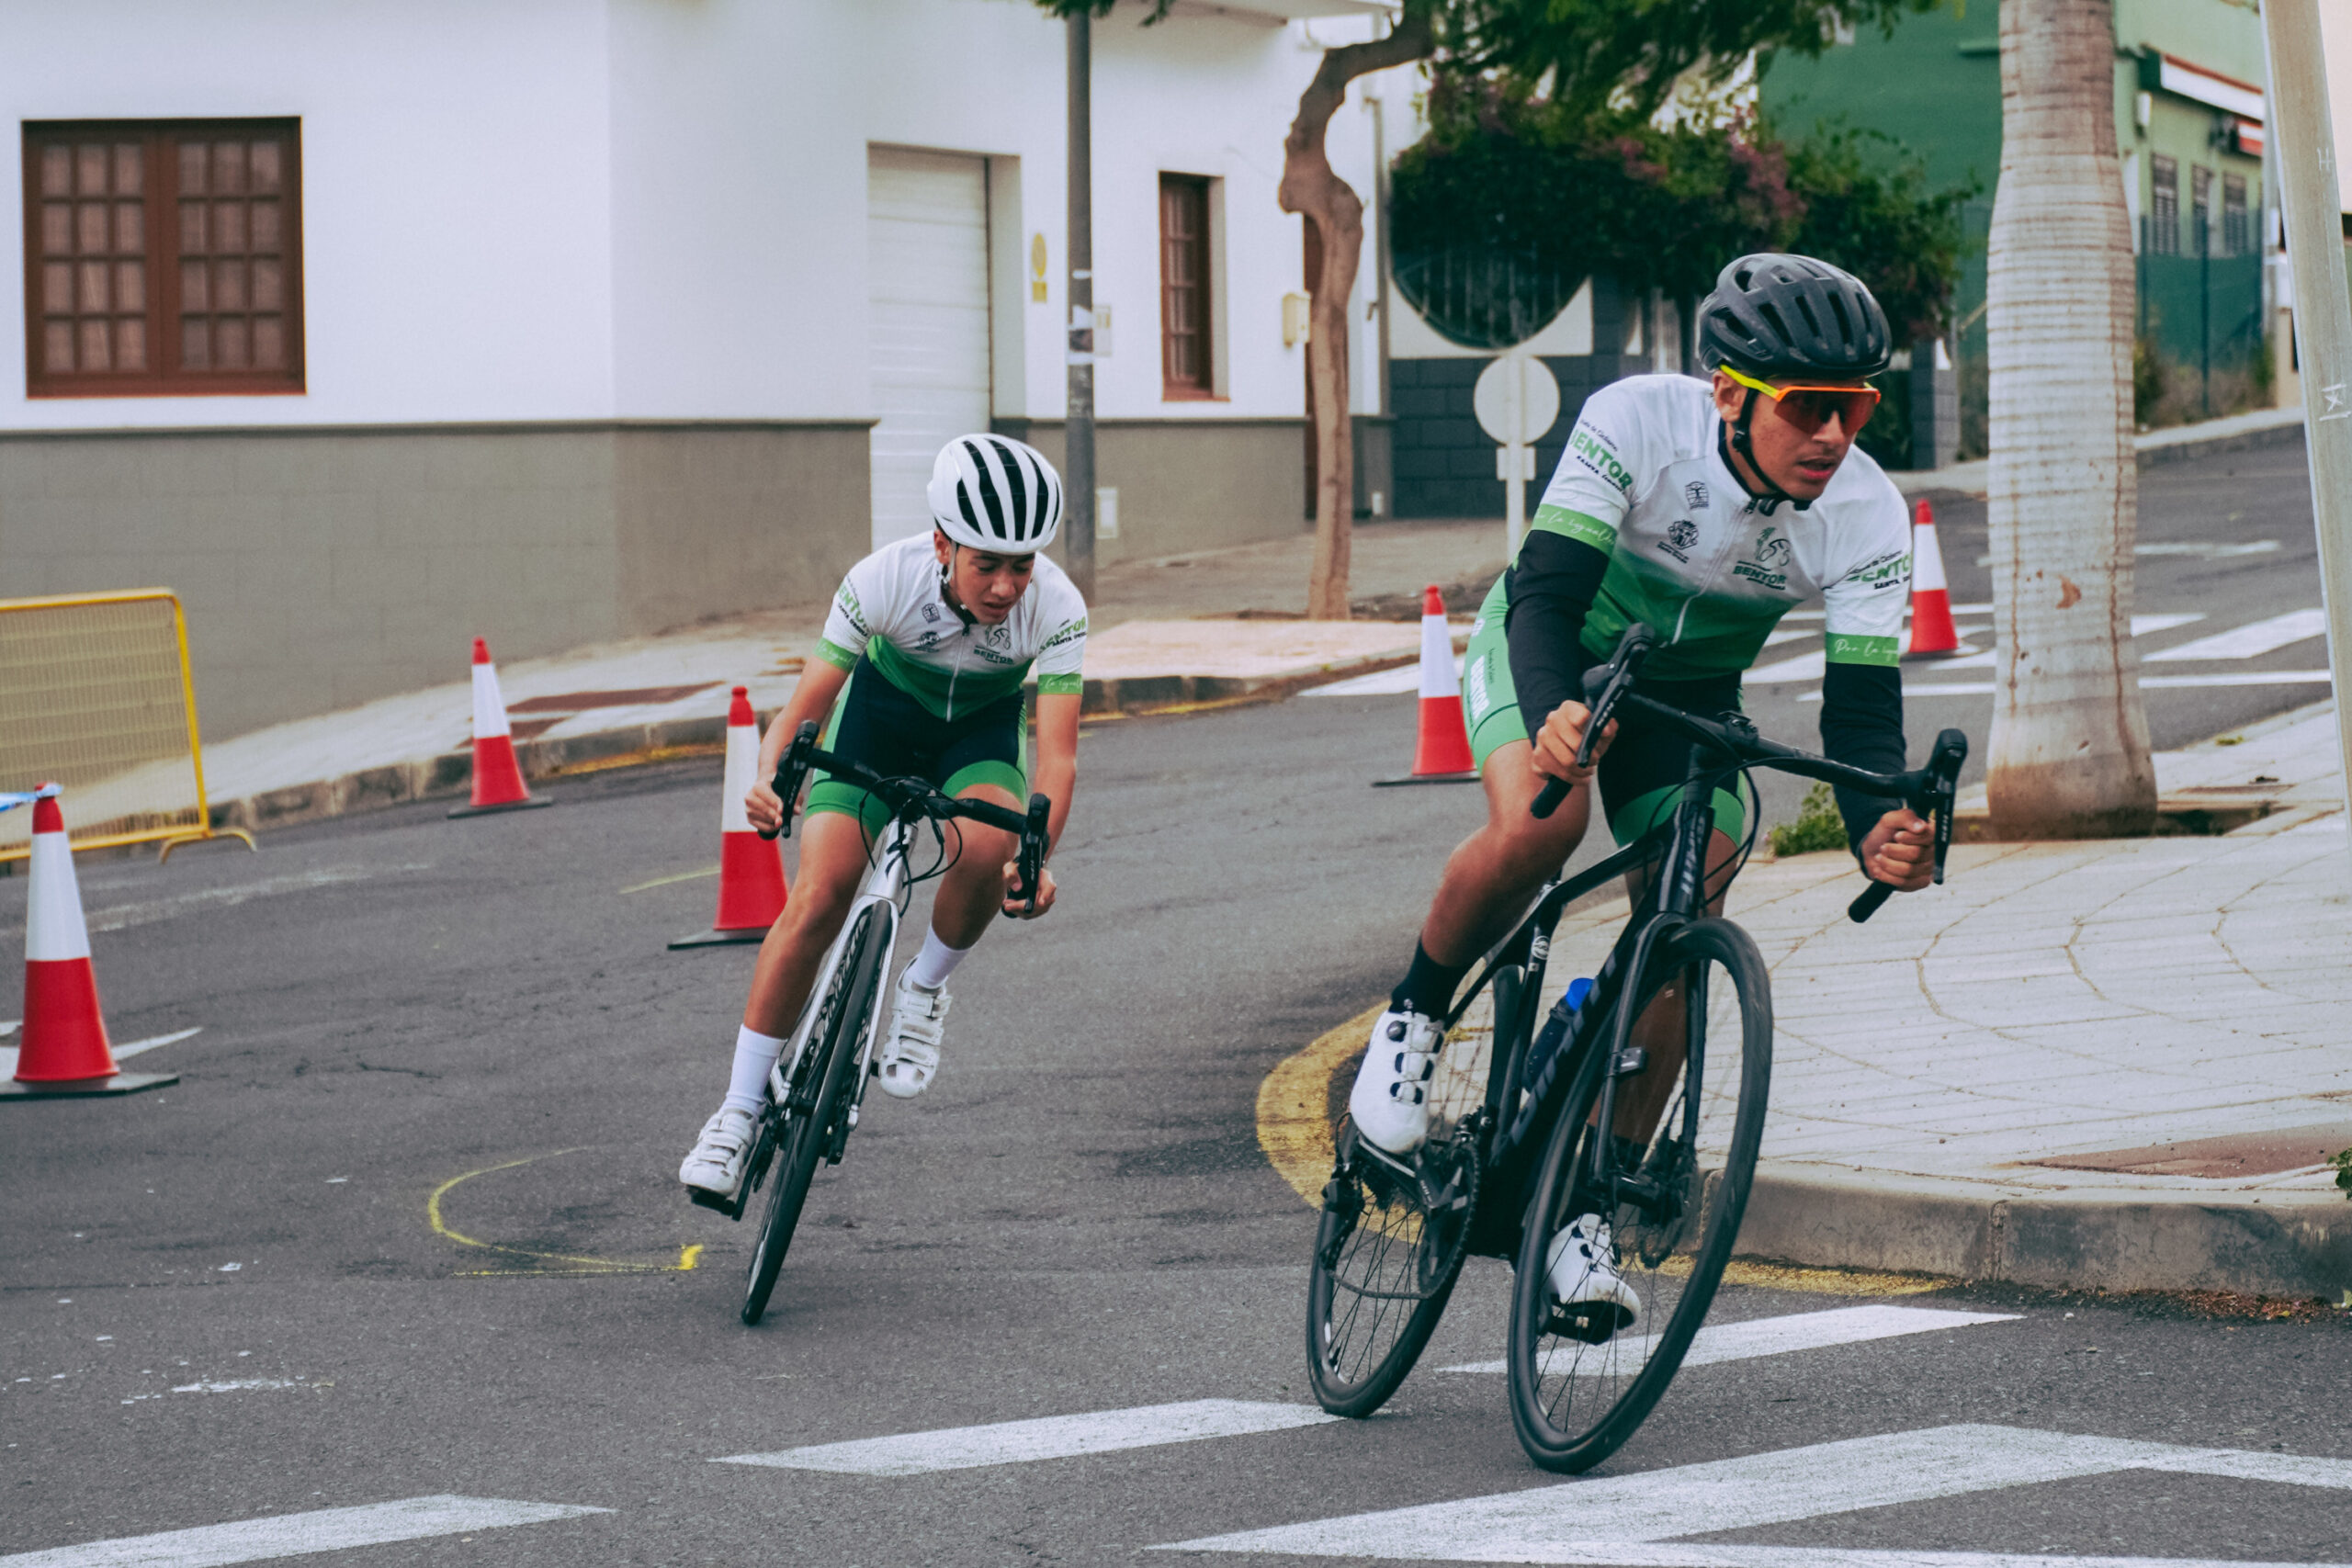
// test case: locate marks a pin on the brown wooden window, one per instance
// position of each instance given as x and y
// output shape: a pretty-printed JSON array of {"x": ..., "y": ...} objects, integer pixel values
[
  {"x": 1186, "y": 349},
  {"x": 163, "y": 257},
  {"x": 2163, "y": 206}
]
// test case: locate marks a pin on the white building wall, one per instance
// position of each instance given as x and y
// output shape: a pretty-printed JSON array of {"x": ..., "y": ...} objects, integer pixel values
[
  {"x": 554, "y": 209},
  {"x": 455, "y": 207}
]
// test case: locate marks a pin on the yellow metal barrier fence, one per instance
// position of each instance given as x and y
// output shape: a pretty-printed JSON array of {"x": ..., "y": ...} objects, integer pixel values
[{"x": 96, "y": 693}]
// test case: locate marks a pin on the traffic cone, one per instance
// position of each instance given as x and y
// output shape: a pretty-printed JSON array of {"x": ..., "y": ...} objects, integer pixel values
[
  {"x": 498, "y": 777},
  {"x": 751, "y": 869},
  {"x": 1932, "y": 634},
  {"x": 1443, "y": 752},
  {"x": 63, "y": 1048}
]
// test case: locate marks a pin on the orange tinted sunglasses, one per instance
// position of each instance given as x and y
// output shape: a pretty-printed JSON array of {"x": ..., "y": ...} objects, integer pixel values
[{"x": 1810, "y": 408}]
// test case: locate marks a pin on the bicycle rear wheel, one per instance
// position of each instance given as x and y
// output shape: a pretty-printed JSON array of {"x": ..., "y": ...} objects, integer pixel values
[
  {"x": 1394, "y": 1234},
  {"x": 816, "y": 1100},
  {"x": 1581, "y": 1384}
]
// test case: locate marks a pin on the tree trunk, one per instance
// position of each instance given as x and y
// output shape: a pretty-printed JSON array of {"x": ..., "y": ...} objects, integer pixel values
[
  {"x": 1310, "y": 187},
  {"x": 2069, "y": 751}
]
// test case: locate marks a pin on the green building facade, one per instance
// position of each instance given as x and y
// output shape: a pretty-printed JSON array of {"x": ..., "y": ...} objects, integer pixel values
[{"x": 2188, "y": 120}]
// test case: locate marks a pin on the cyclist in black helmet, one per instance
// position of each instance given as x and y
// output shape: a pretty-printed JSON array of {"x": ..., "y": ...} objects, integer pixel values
[{"x": 1707, "y": 510}]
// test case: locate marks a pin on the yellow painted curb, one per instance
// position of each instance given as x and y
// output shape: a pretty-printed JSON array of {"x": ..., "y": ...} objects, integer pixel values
[{"x": 1294, "y": 1115}]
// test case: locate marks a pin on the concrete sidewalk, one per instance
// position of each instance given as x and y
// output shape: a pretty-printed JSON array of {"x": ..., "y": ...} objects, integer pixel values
[
  {"x": 2117, "y": 1064},
  {"x": 1213, "y": 627}
]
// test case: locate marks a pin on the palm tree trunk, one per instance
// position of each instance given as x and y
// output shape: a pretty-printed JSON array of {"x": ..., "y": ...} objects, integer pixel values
[
  {"x": 2069, "y": 753},
  {"x": 1310, "y": 187}
]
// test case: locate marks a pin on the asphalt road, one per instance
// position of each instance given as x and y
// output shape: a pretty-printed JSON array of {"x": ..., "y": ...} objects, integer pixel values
[{"x": 228, "y": 1301}]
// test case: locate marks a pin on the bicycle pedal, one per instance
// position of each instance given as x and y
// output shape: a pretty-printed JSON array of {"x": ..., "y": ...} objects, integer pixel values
[{"x": 730, "y": 1207}]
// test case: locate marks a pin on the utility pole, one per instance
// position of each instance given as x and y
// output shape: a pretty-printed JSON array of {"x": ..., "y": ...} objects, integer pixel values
[
  {"x": 1077, "y": 452},
  {"x": 2306, "y": 143}
]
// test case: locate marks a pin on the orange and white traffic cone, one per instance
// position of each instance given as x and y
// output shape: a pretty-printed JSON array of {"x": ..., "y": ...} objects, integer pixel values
[
  {"x": 498, "y": 777},
  {"x": 1932, "y": 632},
  {"x": 1442, "y": 754},
  {"x": 751, "y": 869},
  {"x": 63, "y": 1049}
]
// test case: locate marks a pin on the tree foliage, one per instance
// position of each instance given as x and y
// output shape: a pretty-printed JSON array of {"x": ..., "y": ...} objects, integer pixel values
[{"x": 1665, "y": 207}]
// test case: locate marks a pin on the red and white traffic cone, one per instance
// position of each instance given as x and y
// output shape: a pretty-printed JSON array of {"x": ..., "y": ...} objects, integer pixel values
[
  {"x": 498, "y": 777},
  {"x": 751, "y": 869},
  {"x": 63, "y": 1048},
  {"x": 1442, "y": 754},
  {"x": 1932, "y": 632}
]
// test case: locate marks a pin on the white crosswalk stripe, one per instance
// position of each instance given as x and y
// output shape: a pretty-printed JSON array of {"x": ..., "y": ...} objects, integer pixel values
[
  {"x": 1630, "y": 1519},
  {"x": 1776, "y": 1336},
  {"x": 1053, "y": 1437},
  {"x": 298, "y": 1535},
  {"x": 2251, "y": 641}
]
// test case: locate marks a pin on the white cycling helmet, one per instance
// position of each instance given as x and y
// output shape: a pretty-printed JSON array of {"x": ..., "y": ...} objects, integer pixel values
[{"x": 991, "y": 492}]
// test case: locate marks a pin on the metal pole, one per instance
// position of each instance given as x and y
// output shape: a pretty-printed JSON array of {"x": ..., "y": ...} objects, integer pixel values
[
  {"x": 2306, "y": 143},
  {"x": 1077, "y": 452},
  {"x": 1380, "y": 243}
]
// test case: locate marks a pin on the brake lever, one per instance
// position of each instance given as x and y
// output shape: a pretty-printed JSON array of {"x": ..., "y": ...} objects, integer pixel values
[
  {"x": 790, "y": 770},
  {"x": 1943, "y": 793},
  {"x": 1616, "y": 678},
  {"x": 1032, "y": 863}
]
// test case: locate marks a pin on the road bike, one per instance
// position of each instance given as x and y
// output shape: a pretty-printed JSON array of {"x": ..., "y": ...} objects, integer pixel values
[
  {"x": 1670, "y": 1051},
  {"x": 820, "y": 1077}
]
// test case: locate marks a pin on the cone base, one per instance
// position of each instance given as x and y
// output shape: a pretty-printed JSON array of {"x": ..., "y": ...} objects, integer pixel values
[
  {"x": 83, "y": 1089},
  {"x": 1425, "y": 778},
  {"x": 530, "y": 803},
  {"x": 729, "y": 938}
]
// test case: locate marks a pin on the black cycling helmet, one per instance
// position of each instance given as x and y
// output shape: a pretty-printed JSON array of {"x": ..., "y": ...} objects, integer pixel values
[{"x": 1779, "y": 318}]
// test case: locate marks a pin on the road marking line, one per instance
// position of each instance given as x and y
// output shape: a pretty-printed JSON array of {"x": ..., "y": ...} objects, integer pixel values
[
  {"x": 687, "y": 1257},
  {"x": 1595, "y": 1520},
  {"x": 2249, "y": 641},
  {"x": 681, "y": 876},
  {"x": 2150, "y": 624},
  {"x": 296, "y": 1535},
  {"x": 1607, "y": 1554},
  {"x": 8, "y": 1054},
  {"x": 2147, "y": 683},
  {"x": 1053, "y": 1437},
  {"x": 1778, "y": 1335}
]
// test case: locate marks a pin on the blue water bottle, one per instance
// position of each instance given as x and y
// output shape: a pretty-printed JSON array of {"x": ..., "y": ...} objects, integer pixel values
[{"x": 1555, "y": 1030}]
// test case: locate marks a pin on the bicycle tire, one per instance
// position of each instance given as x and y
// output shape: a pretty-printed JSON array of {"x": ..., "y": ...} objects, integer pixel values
[
  {"x": 1546, "y": 1365},
  {"x": 824, "y": 1075},
  {"x": 1403, "y": 1272}
]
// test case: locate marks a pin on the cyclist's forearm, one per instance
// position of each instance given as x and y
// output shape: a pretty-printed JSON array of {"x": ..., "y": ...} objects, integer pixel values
[
  {"x": 1862, "y": 726},
  {"x": 820, "y": 682},
  {"x": 1056, "y": 773},
  {"x": 1553, "y": 585}
]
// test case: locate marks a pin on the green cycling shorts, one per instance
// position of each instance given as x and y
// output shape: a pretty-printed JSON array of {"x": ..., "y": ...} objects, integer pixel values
[
  {"x": 876, "y": 723},
  {"x": 1643, "y": 772}
]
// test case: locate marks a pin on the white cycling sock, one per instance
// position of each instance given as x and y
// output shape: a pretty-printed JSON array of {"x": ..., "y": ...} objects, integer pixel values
[
  {"x": 756, "y": 1054},
  {"x": 935, "y": 962}
]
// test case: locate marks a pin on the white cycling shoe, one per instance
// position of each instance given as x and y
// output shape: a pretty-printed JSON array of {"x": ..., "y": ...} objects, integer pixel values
[
  {"x": 1582, "y": 1267},
  {"x": 716, "y": 1163},
  {"x": 1390, "y": 1100},
  {"x": 910, "y": 1057}
]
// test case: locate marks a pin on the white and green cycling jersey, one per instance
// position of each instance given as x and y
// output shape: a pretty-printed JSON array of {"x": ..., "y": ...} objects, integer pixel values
[
  {"x": 889, "y": 609},
  {"x": 1707, "y": 566}
]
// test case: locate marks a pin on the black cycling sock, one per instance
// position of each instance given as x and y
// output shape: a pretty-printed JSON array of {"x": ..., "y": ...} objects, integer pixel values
[{"x": 1429, "y": 986}]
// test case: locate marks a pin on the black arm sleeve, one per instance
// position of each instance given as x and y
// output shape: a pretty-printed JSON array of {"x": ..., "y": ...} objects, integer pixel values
[
  {"x": 1862, "y": 726},
  {"x": 1553, "y": 585}
]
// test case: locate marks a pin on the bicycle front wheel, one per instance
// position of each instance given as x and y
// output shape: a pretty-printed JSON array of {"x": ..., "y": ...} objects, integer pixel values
[
  {"x": 816, "y": 1100},
  {"x": 1583, "y": 1376}
]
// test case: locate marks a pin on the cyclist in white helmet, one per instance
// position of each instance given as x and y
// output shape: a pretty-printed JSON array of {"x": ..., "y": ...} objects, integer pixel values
[{"x": 919, "y": 672}]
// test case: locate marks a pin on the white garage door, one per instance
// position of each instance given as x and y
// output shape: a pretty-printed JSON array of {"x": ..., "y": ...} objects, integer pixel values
[{"x": 927, "y": 247}]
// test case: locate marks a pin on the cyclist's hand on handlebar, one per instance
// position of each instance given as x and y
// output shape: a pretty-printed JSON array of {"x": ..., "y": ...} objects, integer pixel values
[
  {"x": 1900, "y": 850},
  {"x": 766, "y": 810},
  {"x": 1018, "y": 908},
  {"x": 1563, "y": 733}
]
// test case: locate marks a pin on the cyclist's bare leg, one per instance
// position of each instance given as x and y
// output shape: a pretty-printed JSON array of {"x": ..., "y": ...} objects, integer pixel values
[
  {"x": 833, "y": 863},
  {"x": 1493, "y": 873},
  {"x": 1643, "y": 1098},
  {"x": 971, "y": 891}
]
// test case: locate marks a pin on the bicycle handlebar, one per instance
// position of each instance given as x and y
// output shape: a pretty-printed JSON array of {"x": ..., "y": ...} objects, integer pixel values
[
  {"x": 913, "y": 798},
  {"x": 1930, "y": 791}
]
